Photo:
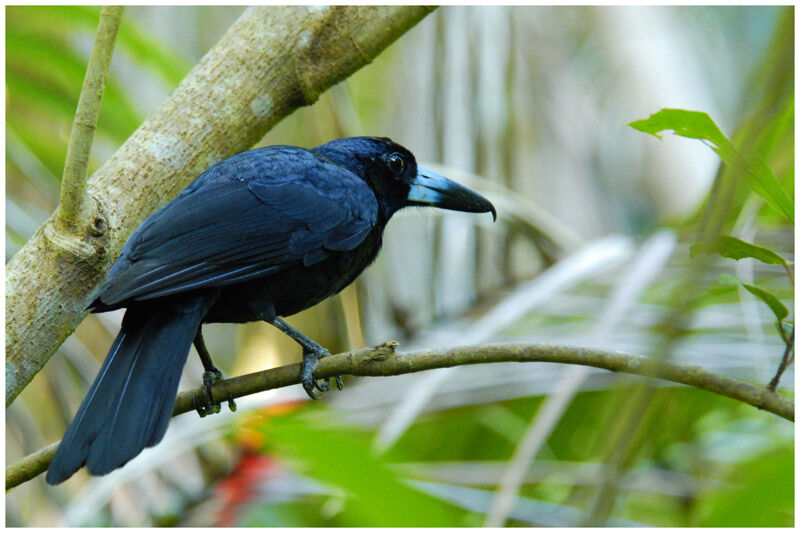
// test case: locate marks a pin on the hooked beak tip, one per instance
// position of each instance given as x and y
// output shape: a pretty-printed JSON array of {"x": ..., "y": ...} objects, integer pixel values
[{"x": 435, "y": 190}]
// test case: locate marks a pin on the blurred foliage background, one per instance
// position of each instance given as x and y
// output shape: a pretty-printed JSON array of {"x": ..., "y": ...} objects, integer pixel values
[{"x": 527, "y": 105}]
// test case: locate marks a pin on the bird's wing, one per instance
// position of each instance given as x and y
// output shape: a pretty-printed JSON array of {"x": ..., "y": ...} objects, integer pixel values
[{"x": 251, "y": 215}]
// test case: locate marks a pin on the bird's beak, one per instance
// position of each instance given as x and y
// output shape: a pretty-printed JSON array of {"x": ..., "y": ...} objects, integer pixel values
[{"x": 430, "y": 188}]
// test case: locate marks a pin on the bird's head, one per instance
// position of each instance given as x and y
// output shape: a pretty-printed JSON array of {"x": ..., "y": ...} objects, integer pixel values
[{"x": 392, "y": 172}]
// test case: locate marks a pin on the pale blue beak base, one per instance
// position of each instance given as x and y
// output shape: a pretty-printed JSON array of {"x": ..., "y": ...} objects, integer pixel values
[{"x": 431, "y": 188}]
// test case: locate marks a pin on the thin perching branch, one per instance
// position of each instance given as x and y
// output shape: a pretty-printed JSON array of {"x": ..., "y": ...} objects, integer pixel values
[
  {"x": 76, "y": 166},
  {"x": 383, "y": 360}
]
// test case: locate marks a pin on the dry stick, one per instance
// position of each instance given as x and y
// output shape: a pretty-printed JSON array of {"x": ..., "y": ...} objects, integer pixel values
[
  {"x": 384, "y": 361},
  {"x": 76, "y": 166}
]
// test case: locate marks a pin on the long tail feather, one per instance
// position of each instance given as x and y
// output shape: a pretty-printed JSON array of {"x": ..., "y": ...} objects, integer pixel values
[{"x": 128, "y": 407}]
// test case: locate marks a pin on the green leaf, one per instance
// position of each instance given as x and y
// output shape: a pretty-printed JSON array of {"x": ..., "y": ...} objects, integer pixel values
[
  {"x": 691, "y": 124},
  {"x": 698, "y": 125},
  {"x": 340, "y": 456},
  {"x": 60, "y": 21},
  {"x": 734, "y": 248},
  {"x": 765, "y": 296},
  {"x": 770, "y": 299},
  {"x": 44, "y": 136},
  {"x": 761, "y": 494}
]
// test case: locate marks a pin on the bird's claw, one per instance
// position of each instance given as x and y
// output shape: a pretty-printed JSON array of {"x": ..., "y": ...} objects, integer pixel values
[
  {"x": 210, "y": 377},
  {"x": 231, "y": 403},
  {"x": 310, "y": 360},
  {"x": 203, "y": 402}
]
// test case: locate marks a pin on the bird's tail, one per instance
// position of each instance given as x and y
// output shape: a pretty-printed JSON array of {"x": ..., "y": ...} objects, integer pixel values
[{"x": 129, "y": 405}]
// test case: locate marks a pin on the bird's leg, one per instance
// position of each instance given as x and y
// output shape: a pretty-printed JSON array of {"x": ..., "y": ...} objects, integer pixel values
[
  {"x": 312, "y": 353},
  {"x": 212, "y": 374},
  {"x": 207, "y": 405}
]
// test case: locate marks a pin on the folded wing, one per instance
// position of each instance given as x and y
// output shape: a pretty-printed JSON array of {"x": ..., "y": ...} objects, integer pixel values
[{"x": 249, "y": 216}]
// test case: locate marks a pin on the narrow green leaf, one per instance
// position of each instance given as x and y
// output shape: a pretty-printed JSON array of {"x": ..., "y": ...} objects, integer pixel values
[
  {"x": 780, "y": 311},
  {"x": 734, "y": 248},
  {"x": 140, "y": 47},
  {"x": 698, "y": 125},
  {"x": 35, "y": 69},
  {"x": 25, "y": 93},
  {"x": 770, "y": 299},
  {"x": 763, "y": 182}
]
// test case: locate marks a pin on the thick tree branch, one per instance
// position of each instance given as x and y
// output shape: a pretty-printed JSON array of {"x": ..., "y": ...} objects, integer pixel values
[
  {"x": 384, "y": 361},
  {"x": 271, "y": 61},
  {"x": 76, "y": 166}
]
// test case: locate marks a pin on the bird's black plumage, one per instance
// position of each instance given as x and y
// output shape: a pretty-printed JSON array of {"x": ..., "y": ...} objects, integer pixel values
[{"x": 263, "y": 234}]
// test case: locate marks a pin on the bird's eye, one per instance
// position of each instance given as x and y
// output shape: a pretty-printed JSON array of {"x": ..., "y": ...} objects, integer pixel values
[{"x": 396, "y": 163}]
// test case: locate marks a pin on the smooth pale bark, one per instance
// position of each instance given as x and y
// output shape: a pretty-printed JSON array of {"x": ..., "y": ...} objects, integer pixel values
[
  {"x": 76, "y": 167},
  {"x": 271, "y": 61}
]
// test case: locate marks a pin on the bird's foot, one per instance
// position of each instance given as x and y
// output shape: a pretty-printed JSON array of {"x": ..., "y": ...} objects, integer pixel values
[
  {"x": 310, "y": 360},
  {"x": 204, "y": 402}
]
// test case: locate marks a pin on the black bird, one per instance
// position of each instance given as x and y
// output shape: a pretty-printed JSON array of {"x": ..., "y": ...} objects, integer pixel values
[{"x": 263, "y": 234}]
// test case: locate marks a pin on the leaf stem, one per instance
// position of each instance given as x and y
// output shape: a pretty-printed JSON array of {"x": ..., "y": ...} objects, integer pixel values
[
  {"x": 789, "y": 272},
  {"x": 788, "y": 358}
]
